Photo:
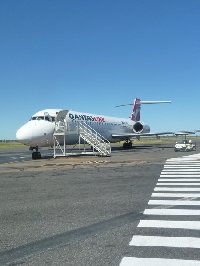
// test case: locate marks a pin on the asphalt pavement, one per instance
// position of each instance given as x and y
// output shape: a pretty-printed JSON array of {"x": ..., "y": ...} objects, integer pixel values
[{"x": 81, "y": 210}]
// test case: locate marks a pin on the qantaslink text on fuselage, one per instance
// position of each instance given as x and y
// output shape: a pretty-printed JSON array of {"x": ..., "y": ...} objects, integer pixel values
[{"x": 87, "y": 117}]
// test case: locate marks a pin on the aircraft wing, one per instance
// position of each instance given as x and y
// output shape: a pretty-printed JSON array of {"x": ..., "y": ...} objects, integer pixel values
[
  {"x": 133, "y": 135},
  {"x": 184, "y": 132}
]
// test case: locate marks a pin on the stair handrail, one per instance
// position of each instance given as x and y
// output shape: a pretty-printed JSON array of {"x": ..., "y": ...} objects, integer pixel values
[{"x": 98, "y": 139}]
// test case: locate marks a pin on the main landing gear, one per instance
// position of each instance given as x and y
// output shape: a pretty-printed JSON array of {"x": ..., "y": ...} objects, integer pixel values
[
  {"x": 35, "y": 154},
  {"x": 127, "y": 144}
]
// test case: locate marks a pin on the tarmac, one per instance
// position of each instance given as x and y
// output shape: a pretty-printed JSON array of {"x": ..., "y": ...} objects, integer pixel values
[
  {"x": 77, "y": 210},
  {"x": 20, "y": 159}
]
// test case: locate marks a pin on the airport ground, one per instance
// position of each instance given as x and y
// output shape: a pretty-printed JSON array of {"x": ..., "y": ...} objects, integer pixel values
[{"x": 79, "y": 210}]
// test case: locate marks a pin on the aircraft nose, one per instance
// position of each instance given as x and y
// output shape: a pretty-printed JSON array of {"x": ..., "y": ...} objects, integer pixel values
[
  {"x": 23, "y": 134},
  {"x": 36, "y": 133}
]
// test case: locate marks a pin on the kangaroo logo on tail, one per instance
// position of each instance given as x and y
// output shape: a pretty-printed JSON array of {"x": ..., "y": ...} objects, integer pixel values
[{"x": 136, "y": 110}]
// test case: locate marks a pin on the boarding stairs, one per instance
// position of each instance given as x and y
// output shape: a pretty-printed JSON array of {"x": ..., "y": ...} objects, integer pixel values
[
  {"x": 59, "y": 134},
  {"x": 92, "y": 137},
  {"x": 101, "y": 146}
]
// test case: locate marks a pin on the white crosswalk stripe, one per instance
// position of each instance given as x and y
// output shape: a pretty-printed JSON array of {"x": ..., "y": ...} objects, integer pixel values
[
  {"x": 177, "y": 166},
  {"x": 182, "y": 174},
  {"x": 179, "y": 171},
  {"x": 171, "y": 212},
  {"x": 192, "y": 225},
  {"x": 157, "y": 262},
  {"x": 175, "y": 195},
  {"x": 175, "y": 202},
  {"x": 178, "y": 184},
  {"x": 189, "y": 242},
  {"x": 176, "y": 189},
  {"x": 180, "y": 179}
]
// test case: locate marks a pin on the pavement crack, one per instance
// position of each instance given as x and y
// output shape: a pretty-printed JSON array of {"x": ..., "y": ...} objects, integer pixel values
[{"x": 9, "y": 257}]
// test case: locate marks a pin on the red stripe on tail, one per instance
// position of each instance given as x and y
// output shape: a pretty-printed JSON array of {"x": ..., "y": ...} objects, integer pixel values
[{"x": 136, "y": 110}]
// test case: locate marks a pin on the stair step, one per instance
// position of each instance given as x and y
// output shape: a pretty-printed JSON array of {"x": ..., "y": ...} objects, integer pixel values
[{"x": 94, "y": 139}]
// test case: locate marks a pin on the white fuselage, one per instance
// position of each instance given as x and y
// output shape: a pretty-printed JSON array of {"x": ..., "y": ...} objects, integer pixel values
[
  {"x": 39, "y": 130},
  {"x": 104, "y": 125}
]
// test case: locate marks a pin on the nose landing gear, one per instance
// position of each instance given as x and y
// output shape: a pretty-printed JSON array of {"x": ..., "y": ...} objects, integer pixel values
[{"x": 35, "y": 154}]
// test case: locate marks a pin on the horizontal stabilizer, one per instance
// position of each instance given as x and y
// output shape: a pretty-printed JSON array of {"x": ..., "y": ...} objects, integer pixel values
[
  {"x": 153, "y": 102},
  {"x": 143, "y": 102}
]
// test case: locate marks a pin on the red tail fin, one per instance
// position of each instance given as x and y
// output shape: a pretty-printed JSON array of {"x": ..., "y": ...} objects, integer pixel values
[
  {"x": 136, "y": 110},
  {"x": 137, "y": 106}
]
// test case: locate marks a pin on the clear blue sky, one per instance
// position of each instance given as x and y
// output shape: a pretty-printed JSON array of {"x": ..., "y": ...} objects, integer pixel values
[{"x": 92, "y": 55}]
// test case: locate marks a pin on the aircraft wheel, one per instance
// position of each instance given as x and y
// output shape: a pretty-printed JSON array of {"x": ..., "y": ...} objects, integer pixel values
[
  {"x": 127, "y": 145},
  {"x": 130, "y": 145},
  {"x": 36, "y": 155}
]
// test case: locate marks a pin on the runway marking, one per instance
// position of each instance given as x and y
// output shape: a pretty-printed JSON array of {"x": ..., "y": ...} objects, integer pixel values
[
  {"x": 183, "y": 159},
  {"x": 177, "y": 172},
  {"x": 176, "y": 195},
  {"x": 183, "y": 162},
  {"x": 133, "y": 261},
  {"x": 182, "y": 174},
  {"x": 174, "y": 174},
  {"x": 178, "y": 184},
  {"x": 178, "y": 179},
  {"x": 163, "y": 241},
  {"x": 175, "y": 202},
  {"x": 171, "y": 212},
  {"x": 192, "y": 225},
  {"x": 193, "y": 159},
  {"x": 176, "y": 189},
  {"x": 189, "y": 166}
]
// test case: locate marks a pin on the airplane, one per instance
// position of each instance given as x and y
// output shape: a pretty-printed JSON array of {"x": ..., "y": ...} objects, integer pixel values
[{"x": 39, "y": 130}]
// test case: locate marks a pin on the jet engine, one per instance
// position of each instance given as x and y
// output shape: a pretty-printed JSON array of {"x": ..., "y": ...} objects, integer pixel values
[{"x": 140, "y": 127}]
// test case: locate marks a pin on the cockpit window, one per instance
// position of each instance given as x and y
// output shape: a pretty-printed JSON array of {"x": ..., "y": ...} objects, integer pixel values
[
  {"x": 41, "y": 118},
  {"x": 47, "y": 118},
  {"x": 33, "y": 118}
]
